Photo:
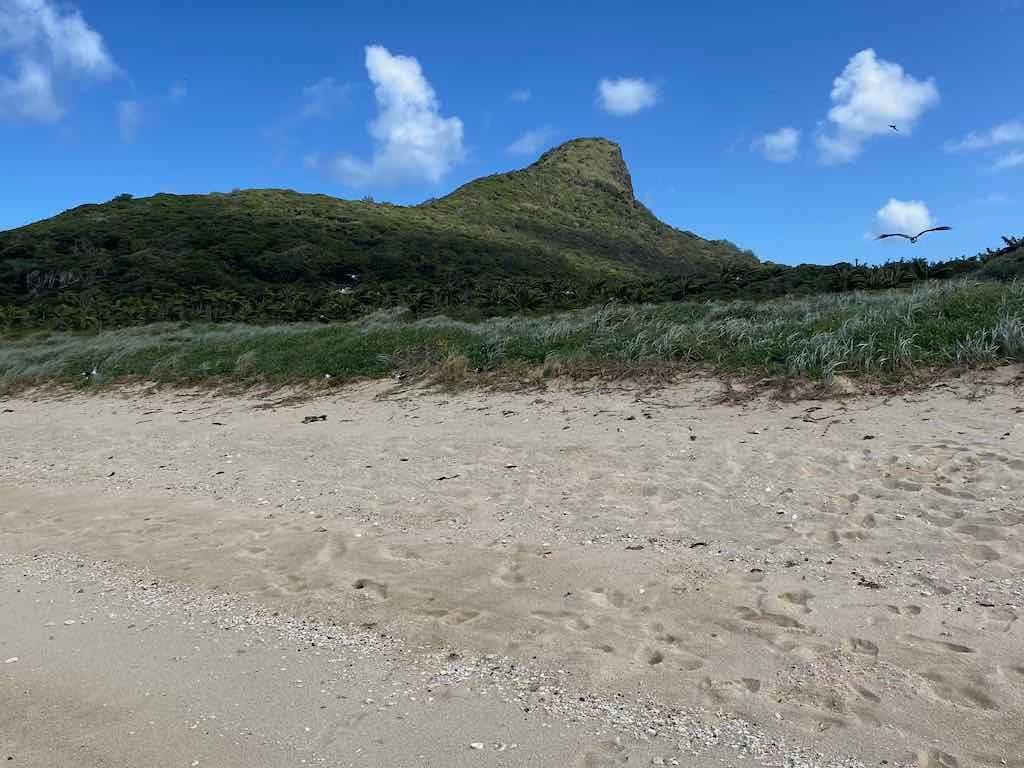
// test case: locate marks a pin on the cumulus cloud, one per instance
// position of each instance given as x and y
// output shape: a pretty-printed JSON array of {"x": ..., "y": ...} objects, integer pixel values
[
  {"x": 781, "y": 146},
  {"x": 324, "y": 96},
  {"x": 626, "y": 95},
  {"x": 520, "y": 95},
  {"x": 868, "y": 95},
  {"x": 1011, "y": 132},
  {"x": 907, "y": 216},
  {"x": 413, "y": 141},
  {"x": 43, "y": 44},
  {"x": 1013, "y": 159},
  {"x": 531, "y": 142},
  {"x": 129, "y": 120},
  {"x": 178, "y": 92}
]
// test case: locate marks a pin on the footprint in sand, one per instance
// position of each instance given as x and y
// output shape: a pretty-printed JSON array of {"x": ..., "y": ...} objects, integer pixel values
[
  {"x": 800, "y": 598},
  {"x": 602, "y": 599},
  {"x": 940, "y": 645},
  {"x": 984, "y": 553},
  {"x": 726, "y": 691},
  {"x": 958, "y": 693},
  {"x": 935, "y": 758},
  {"x": 399, "y": 553},
  {"x": 859, "y": 645},
  {"x": 606, "y": 755},
  {"x": 894, "y": 484},
  {"x": 566, "y": 619},
  {"x": 982, "y": 532},
  {"x": 508, "y": 575},
  {"x": 864, "y": 693},
  {"x": 374, "y": 589},
  {"x": 999, "y": 619},
  {"x": 651, "y": 656},
  {"x": 906, "y": 610},
  {"x": 459, "y": 616},
  {"x": 778, "y": 619}
]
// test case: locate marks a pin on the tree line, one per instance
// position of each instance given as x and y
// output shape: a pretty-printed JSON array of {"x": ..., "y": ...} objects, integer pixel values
[{"x": 82, "y": 308}]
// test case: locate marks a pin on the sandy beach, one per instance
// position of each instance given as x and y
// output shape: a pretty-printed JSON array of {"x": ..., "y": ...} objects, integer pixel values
[{"x": 590, "y": 577}]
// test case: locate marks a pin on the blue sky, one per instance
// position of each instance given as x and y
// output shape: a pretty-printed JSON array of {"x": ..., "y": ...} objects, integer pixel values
[{"x": 765, "y": 123}]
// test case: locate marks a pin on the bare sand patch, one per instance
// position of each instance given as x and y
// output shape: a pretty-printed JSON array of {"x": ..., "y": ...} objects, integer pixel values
[{"x": 844, "y": 574}]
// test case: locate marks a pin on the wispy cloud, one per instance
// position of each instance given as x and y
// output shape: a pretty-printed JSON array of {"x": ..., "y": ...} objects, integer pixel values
[
  {"x": 1010, "y": 132},
  {"x": 626, "y": 95},
  {"x": 177, "y": 92},
  {"x": 323, "y": 97},
  {"x": 781, "y": 146},
  {"x": 43, "y": 44},
  {"x": 869, "y": 95},
  {"x": 129, "y": 120},
  {"x": 520, "y": 95},
  {"x": 413, "y": 141},
  {"x": 531, "y": 142},
  {"x": 1002, "y": 135},
  {"x": 1013, "y": 159}
]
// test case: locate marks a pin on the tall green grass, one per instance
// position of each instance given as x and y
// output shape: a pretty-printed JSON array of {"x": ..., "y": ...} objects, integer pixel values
[{"x": 880, "y": 335}]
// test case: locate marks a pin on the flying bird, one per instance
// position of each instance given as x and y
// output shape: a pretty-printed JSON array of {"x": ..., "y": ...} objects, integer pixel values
[
  {"x": 913, "y": 238},
  {"x": 894, "y": 127}
]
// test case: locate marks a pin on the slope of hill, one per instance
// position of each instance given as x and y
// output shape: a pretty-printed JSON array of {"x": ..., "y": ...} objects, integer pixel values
[
  {"x": 571, "y": 215},
  {"x": 1006, "y": 263},
  {"x": 579, "y": 198}
]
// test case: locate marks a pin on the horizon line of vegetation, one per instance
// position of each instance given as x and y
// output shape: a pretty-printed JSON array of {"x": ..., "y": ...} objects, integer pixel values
[
  {"x": 78, "y": 308},
  {"x": 886, "y": 335}
]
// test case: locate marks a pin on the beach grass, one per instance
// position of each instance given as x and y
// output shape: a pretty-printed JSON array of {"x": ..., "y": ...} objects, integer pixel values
[{"x": 884, "y": 336}]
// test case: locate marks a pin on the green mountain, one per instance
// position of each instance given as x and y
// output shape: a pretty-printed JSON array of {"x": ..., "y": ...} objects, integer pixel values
[{"x": 571, "y": 216}]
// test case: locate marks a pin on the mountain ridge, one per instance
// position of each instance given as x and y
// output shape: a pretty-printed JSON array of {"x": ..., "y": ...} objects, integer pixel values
[{"x": 568, "y": 219}]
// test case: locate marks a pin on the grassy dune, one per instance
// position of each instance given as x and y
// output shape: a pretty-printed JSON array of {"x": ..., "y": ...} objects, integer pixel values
[{"x": 885, "y": 336}]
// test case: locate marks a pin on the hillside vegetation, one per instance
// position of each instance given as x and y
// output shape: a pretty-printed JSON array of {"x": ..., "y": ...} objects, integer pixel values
[
  {"x": 570, "y": 217},
  {"x": 566, "y": 232}
]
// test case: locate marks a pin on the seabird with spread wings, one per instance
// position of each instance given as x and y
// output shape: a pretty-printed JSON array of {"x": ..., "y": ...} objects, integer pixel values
[{"x": 913, "y": 238}]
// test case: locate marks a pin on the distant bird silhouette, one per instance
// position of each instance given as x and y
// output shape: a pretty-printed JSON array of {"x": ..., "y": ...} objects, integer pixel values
[
  {"x": 894, "y": 127},
  {"x": 913, "y": 238}
]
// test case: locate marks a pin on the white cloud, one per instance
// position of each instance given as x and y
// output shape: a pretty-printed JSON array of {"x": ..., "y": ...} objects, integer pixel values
[
  {"x": 323, "y": 97},
  {"x": 413, "y": 141},
  {"x": 29, "y": 95},
  {"x": 627, "y": 95},
  {"x": 531, "y": 142},
  {"x": 178, "y": 92},
  {"x": 1011, "y": 132},
  {"x": 781, "y": 146},
  {"x": 129, "y": 120},
  {"x": 907, "y": 216},
  {"x": 44, "y": 43},
  {"x": 1011, "y": 160},
  {"x": 312, "y": 161},
  {"x": 520, "y": 95},
  {"x": 868, "y": 95}
]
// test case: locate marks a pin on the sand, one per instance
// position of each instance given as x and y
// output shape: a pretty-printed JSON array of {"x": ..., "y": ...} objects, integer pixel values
[{"x": 601, "y": 577}]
